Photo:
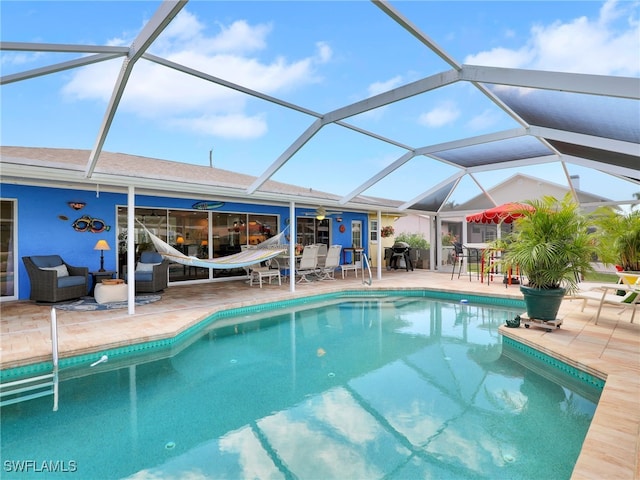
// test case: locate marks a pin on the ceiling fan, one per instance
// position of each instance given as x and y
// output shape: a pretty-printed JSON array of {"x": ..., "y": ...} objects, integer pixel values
[{"x": 321, "y": 213}]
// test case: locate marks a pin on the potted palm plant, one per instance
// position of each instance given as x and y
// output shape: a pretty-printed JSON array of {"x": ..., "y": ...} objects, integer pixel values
[{"x": 552, "y": 247}]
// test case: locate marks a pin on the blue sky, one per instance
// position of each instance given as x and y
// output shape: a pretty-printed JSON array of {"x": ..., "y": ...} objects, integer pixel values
[{"x": 319, "y": 55}]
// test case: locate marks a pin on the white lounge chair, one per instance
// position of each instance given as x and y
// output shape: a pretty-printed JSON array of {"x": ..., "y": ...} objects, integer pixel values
[
  {"x": 308, "y": 263},
  {"x": 322, "y": 254},
  {"x": 332, "y": 262},
  {"x": 629, "y": 300}
]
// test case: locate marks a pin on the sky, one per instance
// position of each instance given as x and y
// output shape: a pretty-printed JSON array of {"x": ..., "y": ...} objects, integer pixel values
[{"x": 319, "y": 55}]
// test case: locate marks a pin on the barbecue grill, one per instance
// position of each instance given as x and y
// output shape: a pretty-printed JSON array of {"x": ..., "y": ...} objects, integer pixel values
[{"x": 399, "y": 254}]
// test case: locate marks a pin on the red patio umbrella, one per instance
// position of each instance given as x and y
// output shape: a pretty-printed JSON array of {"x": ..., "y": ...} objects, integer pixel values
[{"x": 505, "y": 213}]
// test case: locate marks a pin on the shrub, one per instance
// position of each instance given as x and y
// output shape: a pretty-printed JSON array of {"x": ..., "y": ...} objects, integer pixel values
[{"x": 414, "y": 240}]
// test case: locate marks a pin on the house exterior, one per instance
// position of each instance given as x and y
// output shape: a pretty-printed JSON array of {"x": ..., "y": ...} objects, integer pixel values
[{"x": 50, "y": 207}]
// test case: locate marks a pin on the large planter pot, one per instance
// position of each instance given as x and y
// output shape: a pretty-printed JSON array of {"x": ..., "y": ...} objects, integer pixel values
[{"x": 542, "y": 304}]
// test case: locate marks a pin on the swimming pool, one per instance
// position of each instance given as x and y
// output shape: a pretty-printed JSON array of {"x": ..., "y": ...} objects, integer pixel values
[{"x": 372, "y": 387}]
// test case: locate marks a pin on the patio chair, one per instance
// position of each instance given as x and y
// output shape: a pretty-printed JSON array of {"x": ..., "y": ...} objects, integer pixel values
[
  {"x": 308, "y": 263},
  {"x": 54, "y": 280},
  {"x": 332, "y": 262},
  {"x": 151, "y": 274},
  {"x": 322, "y": 254},
  {"x": 270, "y": 270},
  {"x": 459, "y": 254},
  {"x": 630, "y": 297}
]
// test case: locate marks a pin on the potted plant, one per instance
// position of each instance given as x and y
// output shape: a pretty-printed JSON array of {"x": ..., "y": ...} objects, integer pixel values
[
  {"x": 552, "y": 247},
  {"x": 387, "y": 231},
  {"x": 618, "y": 237}
]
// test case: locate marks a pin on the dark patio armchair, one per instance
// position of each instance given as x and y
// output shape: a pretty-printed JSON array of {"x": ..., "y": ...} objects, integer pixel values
[
  {"x": 53, "y": 280},
  {"x": 151, "y": 274}
]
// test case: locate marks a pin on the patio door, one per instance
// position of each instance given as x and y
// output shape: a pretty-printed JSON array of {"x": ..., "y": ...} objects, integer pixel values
[
  {"x": 356, "y": 239},
  {"x": 8, "y": 265}
]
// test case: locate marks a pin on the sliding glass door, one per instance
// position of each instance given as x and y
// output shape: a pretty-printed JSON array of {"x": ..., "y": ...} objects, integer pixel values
[
  {"x": 7, "y": 249},
  {"x": 196, "y": 233}
]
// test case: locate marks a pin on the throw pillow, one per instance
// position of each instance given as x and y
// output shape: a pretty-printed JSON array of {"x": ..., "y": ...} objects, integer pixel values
[
  {"x": 145, "y": 267},
  {"x": 61, "y": 270}
]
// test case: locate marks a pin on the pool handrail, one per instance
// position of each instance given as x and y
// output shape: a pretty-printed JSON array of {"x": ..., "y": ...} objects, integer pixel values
[{"x": 365, "y": 260}]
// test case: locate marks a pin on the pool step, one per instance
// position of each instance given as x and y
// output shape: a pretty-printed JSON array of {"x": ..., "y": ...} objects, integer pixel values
[
  {"x": 28, "y": 389},
  {"x": 34, "y": 387}
]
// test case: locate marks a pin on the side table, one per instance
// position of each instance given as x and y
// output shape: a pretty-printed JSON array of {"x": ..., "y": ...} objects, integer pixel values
[{"x": 98, "y": 276}]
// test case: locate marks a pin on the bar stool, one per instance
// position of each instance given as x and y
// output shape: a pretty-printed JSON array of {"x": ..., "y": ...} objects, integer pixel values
[{"x": 458, "y": 256}]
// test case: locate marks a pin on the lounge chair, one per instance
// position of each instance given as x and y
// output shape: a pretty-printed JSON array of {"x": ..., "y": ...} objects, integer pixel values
[
  {"x": 630, "y": 287},
  {"x": 151, "y": 274},
  {"x": 308, "y": 263},
  {"x": 54, "y": 280},
  {"x": 332, "y": 262}
]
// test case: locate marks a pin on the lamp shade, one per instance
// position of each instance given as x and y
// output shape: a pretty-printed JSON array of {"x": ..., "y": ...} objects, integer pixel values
[
  {"x": 180, "y": 240},
  {"x": 102, "y": 245}
]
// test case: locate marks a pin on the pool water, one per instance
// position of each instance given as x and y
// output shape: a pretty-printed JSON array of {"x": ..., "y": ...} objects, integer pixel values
[{"x": 371, "y": 388}]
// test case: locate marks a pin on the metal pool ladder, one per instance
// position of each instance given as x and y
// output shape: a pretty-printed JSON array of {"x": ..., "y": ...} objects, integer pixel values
[
  {"x": 365, "y": 261},
  {"x": 38, "y": 386}
]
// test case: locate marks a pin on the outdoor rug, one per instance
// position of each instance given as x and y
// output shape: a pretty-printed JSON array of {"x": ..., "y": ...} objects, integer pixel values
[{"x": 86, "y": 304}]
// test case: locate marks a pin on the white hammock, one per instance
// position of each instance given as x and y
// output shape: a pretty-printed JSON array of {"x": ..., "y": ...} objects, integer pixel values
[{"x": 265, "y": 251}]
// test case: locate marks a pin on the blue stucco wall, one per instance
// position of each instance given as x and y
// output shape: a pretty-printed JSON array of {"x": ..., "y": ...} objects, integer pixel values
[{"x": 41, "y": 231}]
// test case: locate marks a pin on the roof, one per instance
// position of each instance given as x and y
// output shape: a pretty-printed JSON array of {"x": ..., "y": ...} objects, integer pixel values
[
  {"x": 575, "y": 121},
  {"x": 529, "y": 188},
  {"x": 115, "y": 171}
]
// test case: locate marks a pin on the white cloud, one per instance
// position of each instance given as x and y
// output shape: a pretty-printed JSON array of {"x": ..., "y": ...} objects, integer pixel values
[
  {"x": 234, "y": 126},
  {"x": 324, "y": 52},
  {"x": 20, "y": 58},
  {"x": 166, "y": 96},
  {"x": 607, "y": 45},
  {"x": 376, "y": 88},
  {"x": 501, "y": 57},
  {"x": 444, "y": 114},
  {"x": 380, "y": 87},
  {"x": 484, "y": 120}
]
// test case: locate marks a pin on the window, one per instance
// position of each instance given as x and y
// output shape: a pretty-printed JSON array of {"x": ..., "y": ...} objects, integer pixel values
[
  {"x": 312, "y": 230},
  {"x": 374, "y": 231},
  {"x": 356, "y": 234}
]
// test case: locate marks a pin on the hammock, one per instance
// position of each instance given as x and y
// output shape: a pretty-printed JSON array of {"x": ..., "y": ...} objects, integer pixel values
[{"x": 265, "y": 251}]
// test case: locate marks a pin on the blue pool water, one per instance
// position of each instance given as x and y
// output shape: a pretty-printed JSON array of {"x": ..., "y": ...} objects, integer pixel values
[{"x": 359, "y": 388}]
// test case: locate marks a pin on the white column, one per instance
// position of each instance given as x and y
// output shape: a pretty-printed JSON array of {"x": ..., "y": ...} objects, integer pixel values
[
  {"x": 131, "y": 253},
  {"x": 292, "y": 247},
  {"x": 379, "y": 260}
]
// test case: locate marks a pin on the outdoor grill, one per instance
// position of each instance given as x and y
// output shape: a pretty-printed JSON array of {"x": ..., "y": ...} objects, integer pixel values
[{"x": 400, "y": 256}]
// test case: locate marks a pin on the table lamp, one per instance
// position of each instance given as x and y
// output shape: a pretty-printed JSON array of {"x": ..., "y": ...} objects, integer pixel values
[{"x": 102, "y": 245}]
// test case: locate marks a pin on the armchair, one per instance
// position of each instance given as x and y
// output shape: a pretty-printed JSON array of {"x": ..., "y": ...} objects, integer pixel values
[
  {"x": 151, "y": 274},
  {"x": 54, "y": 280}
]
